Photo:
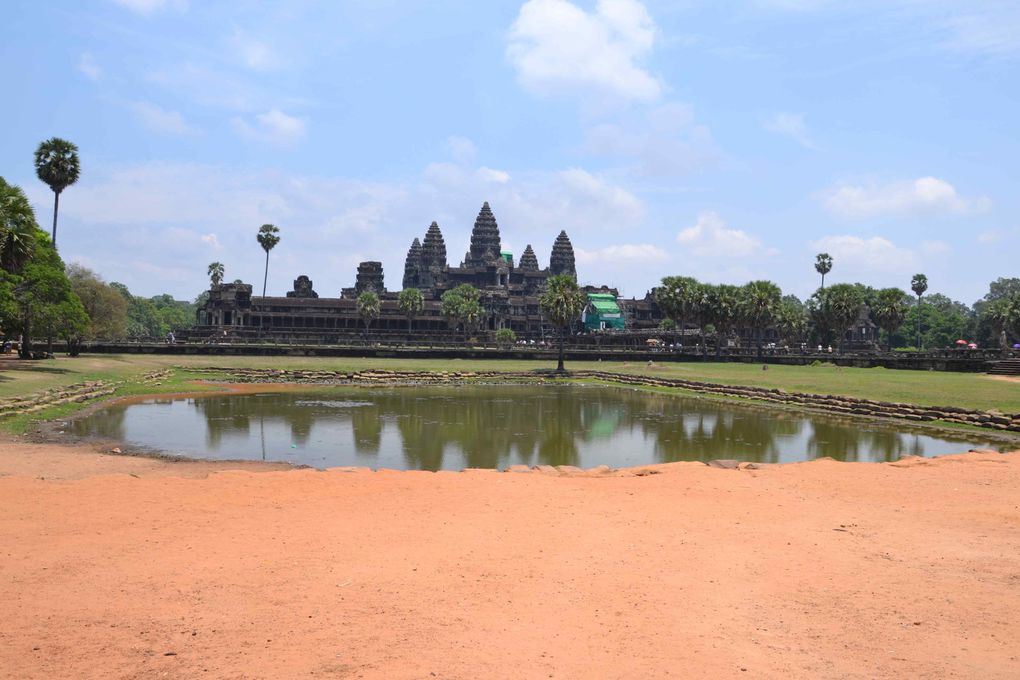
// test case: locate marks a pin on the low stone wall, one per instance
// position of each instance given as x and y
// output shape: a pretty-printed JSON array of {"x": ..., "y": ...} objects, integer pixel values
[
  {"x": 937, "y": 361},
  {"x": 38, "y": 401},
  {"x": 829, "y": 403}
]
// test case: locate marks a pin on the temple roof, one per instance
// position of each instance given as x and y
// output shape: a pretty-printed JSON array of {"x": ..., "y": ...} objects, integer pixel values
[
  {"x": 434, "y": 248},
  {"x": 528, "y": 260},
  {"x": 485, "y": 242},
  {"x": 561, "y": 261}
]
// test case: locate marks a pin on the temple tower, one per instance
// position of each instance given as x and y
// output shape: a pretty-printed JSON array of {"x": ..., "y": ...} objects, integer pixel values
[
  {"x": 528, "y": 260},
  {"x": 485, "y": 243},
  {"x": 370, "y": 278},
  {"x": 412, "y": 265},
  {"x": 433, "y": 257},
  {"x": 561, "y": 261}
]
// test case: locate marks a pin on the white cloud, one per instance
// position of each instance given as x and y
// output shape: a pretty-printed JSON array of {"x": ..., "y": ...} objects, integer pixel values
[
  {"x": 211, "y": 240},
  {"x": 710, "y": 237},
  {"x": 490, "y": 175},
  {"x": 989, "y": 30},
  {"x": 790, "y": 125},
  {"x": 150, "y": 6},
  {"x": 461, "y": 149},
  {"x": 935, "y": 248},
  {"x": 160, "y": 120},
  {"x": 253, "y": 53},
  {"x": 855, "y": 256},
  {"x": 274, "y": 126},
  {"x": 557, "y": 47},
  {"x": 925, "y": 195},
  {"x": 88, "y": 66},
  {"x": 597, "y": 192},
  {"x": 664, "y": 141}
]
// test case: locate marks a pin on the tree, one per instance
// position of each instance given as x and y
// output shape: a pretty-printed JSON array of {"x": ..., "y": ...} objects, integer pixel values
[
  {"x": 411, "y": 303},
  {"x": 943, "y": 321},
  {"x": 919, "y": 284},
  {"x": 677, "y": 298},
  {"x": 823, "y": 265},
  {"x": 759, "y": 301},
  {"x": 462, "y": 305},
  {"x": 791, "y": 321},
  {"x": 216, "y": 271},
  {"x": 368, "y": 308},
  {"x": 889, "y": 310},
  {"x": 39, "y": 295},
  {"x": 843, "y": 302},
  {"x": 17, "y": 228},
  {"x": 105, "y": 306},
  {"x": 268, "y": 237},
  {"x": 56, "y": 164},
  {"x": 505, "y": 338},
  {"x": 562, "y": 303},
  {"x": 722, "y": 305}
]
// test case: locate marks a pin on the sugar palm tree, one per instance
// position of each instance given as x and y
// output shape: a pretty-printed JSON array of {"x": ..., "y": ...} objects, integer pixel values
[
  {"x": 677, "y": 297},
  {"x": 215, "y": 272},
  {"x": 843, "y": 305},
  {"x": 722, "y": 306},
  {"x": 823, "y": 265},
  {"x": 562, "y": 303},
  {"x": 889, "y": 311},
  {"x": 919, "y": 284},
  {"x": 368, "y": 309},
  {"x": 411, "y": 302},
  {"x": 56, "y": 164},
  {"x": 759, "y": 301},
  {"x": 268, "y": 237},
  {"x": 17, "y": 228}
]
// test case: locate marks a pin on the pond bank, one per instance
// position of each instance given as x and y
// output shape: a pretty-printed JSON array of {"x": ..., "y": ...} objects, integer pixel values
[{"x": 135, "y": 567}]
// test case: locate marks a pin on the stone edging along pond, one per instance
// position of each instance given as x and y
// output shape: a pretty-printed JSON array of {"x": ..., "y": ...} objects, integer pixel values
[{"x": 832, "y": 404}]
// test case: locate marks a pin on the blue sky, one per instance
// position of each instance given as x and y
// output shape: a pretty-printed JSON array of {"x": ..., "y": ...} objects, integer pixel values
[{"x": 724, "y": 140}]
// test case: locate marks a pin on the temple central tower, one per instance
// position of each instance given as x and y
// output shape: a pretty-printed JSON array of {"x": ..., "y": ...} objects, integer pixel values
[{"x": 485, "y": 243}]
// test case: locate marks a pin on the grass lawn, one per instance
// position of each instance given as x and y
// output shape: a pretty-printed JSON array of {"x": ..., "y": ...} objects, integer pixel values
[{"x": 966, "y": 390}]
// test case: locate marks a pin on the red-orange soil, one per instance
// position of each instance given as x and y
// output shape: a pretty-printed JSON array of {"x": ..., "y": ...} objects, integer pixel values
[{"x": 119, "y": 567}]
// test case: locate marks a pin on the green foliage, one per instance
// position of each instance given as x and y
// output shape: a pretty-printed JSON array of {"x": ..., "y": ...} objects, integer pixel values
[
  {"x": 679, "y": 298},
  {"x": 791, "y": 319},
  {"x": 562, "y": 303},
  {"x": 17, "y": 228},
  {"x": 368, "y": 307},
  {"x": 889, "y": 310},
  {"x": 267, "y": 237},
  {"x": 823, "y": 265},
  {"x": 104, "y": 304},
  {"x": 942, "y": 321},
  {"x": 462, "y": 305},
  {"x": 411, "y": 302},
  {"x": 505, "y": 337},
  {"x": 757, "y": 305},
  {"x": 215, "y": 272},
  {"x": 57, "y": 164},
  {"x": 158, "y": 315},
  {"x": 919, "y": 284},
  {"x": 667, "y": 324}
]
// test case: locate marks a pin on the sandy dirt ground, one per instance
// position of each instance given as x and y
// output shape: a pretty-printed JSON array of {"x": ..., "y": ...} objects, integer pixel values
[{"x": 120, "y": 567}]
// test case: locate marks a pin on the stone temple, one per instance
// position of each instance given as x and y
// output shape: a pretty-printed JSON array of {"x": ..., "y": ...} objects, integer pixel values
[{"x": 509, "y": 293}]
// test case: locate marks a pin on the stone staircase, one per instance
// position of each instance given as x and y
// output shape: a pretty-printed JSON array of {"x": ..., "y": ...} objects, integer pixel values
[{"x": 1005, "y": 367}]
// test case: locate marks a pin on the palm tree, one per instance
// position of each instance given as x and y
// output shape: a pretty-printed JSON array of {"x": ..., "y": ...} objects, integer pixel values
[
  {"x": 889, "y": 311},
  {"x": 368, "y": 308},
  {"x": 823, "y": 265},
  {"x": 56, "y": 164},
  {"x": 678, "y": 297},
  {"x": 759, "y": 301},
  {"x": 268, "y": 237},
  {"x": 462, "y": 305},
  {"x": 843, "y": 305},
  {"x": 562, "y": 303},
  {"x": 215, "y": 272},
  {"x": 722, "y": 304},
  {"x": 411, "y": 302},
  {"x": 17, "y": 228},
  {"x": 919, "y": 284}
]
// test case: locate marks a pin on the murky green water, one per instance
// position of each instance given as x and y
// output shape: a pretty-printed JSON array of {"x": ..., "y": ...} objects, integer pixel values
[{"x": 450, "y": 428}]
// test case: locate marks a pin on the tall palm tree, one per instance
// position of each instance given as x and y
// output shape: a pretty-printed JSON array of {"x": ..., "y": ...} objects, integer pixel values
[
  {"x": 919, "y": 284},
  {"x": 843, "y": 302},
  {"x": 562, "y": 303},
  {"x": 411, "y": 302},
  {"x": 216, "y": 271},
  {"x": 889, "y": 311},
  {"x": 722, "y": 305},
  {"x": 677, "y": 297},
  {"x": 268, "y": 237},
  {"x": 759, "y": 301},
  {"x": 823, "y": 265},
  {"x": 17, "y": 228},
  {"x": 56, "y": 164},
  {"x": 368, "y": 308}
]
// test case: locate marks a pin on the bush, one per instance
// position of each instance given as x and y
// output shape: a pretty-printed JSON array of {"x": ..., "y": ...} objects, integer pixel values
[{"x": 505, "y": 337}]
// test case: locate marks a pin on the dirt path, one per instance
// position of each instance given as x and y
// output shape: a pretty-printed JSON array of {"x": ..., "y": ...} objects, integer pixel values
[{"x": 116, "y": 567}]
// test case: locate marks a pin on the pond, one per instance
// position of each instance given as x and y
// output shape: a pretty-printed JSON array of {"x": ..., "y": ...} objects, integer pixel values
[{"x": 453, "y": 427}]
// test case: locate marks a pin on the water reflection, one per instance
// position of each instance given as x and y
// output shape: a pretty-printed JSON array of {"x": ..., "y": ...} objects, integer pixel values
[{"x": 450, "y": 428}]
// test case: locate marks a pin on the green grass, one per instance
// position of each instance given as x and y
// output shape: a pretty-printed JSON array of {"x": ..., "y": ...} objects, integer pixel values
[{"x": 967, "y": 390}]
